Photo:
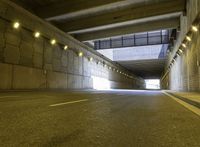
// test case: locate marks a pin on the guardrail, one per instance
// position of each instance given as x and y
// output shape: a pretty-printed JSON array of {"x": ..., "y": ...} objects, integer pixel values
[{"x": 140, "y": 39}]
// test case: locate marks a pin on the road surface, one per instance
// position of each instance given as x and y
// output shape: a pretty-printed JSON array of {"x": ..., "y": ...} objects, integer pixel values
[{"x": 119, "y": 118}]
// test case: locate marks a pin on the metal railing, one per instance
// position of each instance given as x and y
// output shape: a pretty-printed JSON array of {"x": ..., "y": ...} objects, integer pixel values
[{"x": 139, "y": 39}]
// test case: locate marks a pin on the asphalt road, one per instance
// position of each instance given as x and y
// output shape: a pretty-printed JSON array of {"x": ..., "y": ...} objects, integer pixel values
[{"x": 96, "y": 119}]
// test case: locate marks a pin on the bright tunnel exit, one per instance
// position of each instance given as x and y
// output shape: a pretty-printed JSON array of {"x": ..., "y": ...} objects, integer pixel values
[
  {"x": 152, "y": 84},
  {"x": 100, "y": 83}
]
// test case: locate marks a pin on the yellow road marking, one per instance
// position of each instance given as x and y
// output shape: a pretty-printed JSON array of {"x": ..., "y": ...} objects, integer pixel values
[
  {"x": 71, "y": 102},
  {"x": 186, "y": 105}
]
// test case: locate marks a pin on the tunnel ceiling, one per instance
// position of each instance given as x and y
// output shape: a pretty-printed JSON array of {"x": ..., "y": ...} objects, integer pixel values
[
  {"x": 147, "y": 69},
  {"x": 89, "y": 20}
]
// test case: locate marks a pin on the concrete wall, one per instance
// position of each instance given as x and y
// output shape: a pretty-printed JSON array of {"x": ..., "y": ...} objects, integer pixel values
[
  {"x": 30, "y": 63},
  {"x": 185, "y": 73},
  {"x": 140, "y": 53}
]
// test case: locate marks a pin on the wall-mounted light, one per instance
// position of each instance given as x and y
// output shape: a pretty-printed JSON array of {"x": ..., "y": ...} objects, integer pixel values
[
  {"x": 194, "y": 28},
  {"x": 65, "y": 47},
  {"x": 16, "y": 25},
  {"x": 53, "y": 42},
  {"x": 90, "y": 59},
  {"x": 37, "y": 34},
  {"x": 180, "y": 51},
  {"x": 80, "y": 54},
  {"x": 188, "y": 38},
  {"x": 184, "y": 45}
]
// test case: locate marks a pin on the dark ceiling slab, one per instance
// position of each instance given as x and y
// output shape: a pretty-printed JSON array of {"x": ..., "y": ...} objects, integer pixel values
[
  {"x": 131, "y": 13},
  {"x": 148, "y": 69},
  {"x": 76, "y": 15}
]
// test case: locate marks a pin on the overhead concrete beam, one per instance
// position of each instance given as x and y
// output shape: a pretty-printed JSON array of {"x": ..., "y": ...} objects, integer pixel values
[
  {"x": 69, "y": 6},
  {"x": 139, "y": 67},
  {"x": 129, "y": 29},
  {"x": 131, "y": 13}
]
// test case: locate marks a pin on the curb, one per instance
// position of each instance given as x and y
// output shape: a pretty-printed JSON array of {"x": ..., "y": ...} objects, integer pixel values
[{"x": 191, "y": 102}]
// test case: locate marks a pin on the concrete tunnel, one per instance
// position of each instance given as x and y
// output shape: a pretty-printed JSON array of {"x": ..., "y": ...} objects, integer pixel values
[{"x": 100, "y": 73}]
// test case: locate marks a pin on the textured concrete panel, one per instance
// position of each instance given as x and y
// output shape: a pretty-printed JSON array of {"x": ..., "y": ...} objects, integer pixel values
[
  {"x": 57, "y": 64},
  {"x": 80, "y": 60},
  {"x": 76, "y": 65},
  {"x": 2, "y": 40},
  {"x": 86, "y": 67},
  {"x": 56, "y": 80},
  {"x": 28, "y": 78},
  {"x": 78, "y": 82},
  {"x": 37, "y": 60},
  {"x": 71, "y": 81},
  {"x": 27, "y": 36},
  {"x": 3, "y": 9},
  {"x": 26, "y": 54},
  {"x": 64, "y": 59},
  {"x": 25, "y": 61},
  {"x": 57, "y": 52},
  {"x": 26, "y": 49},
  {"x": 63, "y": 69},
  {"x": 5, "y": 76},
  {"x": 2, "y": 44},
  {"x": 38, "y": 45},
  {"x": 48, "y": 53},
  {"x": 13, "y": 37},
  {"x": 70, "y": 62},
  {"x": 1, "y": 56},
  {"x": 87, "y": 82},
  {"x": 75, "y": 82},
  {"x": 12, "y": 54},
  {"x": 48, "y": 66}
]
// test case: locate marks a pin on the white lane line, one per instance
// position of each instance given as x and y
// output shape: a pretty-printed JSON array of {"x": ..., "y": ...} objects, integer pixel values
[
  {"x": 71, "y": 102},
  {"x": 186, "y": 105},
  {"x": 8, "y": 96}
]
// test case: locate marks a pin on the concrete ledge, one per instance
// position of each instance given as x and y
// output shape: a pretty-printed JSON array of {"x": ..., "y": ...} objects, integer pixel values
[{"x": 186, "y": 99}]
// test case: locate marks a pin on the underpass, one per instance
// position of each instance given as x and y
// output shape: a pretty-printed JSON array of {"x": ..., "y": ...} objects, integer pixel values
[{"x": 101, "y": 73}]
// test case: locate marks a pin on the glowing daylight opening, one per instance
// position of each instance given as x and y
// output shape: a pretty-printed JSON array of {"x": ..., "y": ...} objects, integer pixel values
[
  {"x": 100, "y": 83},
  {"x": 152, "y": 84}
]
